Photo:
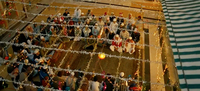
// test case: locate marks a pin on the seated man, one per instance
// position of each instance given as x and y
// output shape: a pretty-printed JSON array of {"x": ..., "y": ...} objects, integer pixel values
[
  {"x": 95, "y": 30},
  {"x": 90, "y": 43},
  {"x": 129, "y": 46},
  {"x": 124, "y": 34},
  {"x": 116, "y": 44},
  {"x": 86, "y": 31},
  {"x": 135, "y": 35}
]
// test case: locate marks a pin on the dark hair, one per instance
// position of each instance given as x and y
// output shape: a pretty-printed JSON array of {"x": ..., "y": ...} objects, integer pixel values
[
  {"x": 81, "y": 74},
  {"x": 95, "y": 78},
  {"x": 139, "y": 17},
  {"x": 109, "y": 75},
  {"x": 60, "y": 73}
]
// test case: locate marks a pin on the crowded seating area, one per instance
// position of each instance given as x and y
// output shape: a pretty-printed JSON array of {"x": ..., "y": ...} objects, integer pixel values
[{"x": 119, "y": 33}]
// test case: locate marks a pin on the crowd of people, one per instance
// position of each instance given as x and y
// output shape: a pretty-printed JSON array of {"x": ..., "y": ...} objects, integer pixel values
[{"x": 36, "y": 62}]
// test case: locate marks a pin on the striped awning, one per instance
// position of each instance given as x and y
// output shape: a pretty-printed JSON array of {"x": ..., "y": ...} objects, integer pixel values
[{"x": 183, "y": 23}]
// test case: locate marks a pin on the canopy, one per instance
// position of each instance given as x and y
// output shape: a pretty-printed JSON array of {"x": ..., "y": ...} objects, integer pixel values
[{"x": 183, "y": 25}]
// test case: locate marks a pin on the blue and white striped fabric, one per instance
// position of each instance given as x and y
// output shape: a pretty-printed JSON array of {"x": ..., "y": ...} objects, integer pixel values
[{"x": 183, "y": 23}]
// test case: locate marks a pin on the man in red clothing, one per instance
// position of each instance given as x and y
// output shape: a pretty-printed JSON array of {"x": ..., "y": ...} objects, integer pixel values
[{"x": 116, "y": 44}]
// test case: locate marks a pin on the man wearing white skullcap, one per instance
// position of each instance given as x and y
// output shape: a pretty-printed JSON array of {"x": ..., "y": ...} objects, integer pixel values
[
  {"x": 70, "y": 82},
  {"x": 121, "y": 84},
  {"x": 129, "y": 46},
  {"x": 36, "y": 55},
  {"x": 114, "y": 26},
  {"x": 100, "y": 22},
  {"x": 95, "y": 30},
  {"x": 113, "y": 29},
  {"x": 60, "y": 18},
  {"x": 116, "y": 44},
  {"x": 121, "y": 28},
  {"x": 124, "y": 34},
  {"x": 77, "y": 33},
  {"x": 86, "y": 31}
]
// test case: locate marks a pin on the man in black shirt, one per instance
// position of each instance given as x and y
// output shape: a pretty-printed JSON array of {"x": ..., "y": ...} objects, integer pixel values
[{"x": 66, "y": 14}]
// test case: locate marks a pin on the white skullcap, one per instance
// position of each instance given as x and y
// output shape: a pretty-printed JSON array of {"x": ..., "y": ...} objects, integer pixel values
[
  {"x": 29, "y": 42},
  {"x": 42, "y": 21},
  {"x": 112, "y": 13},
  {"x": 42, "y": 37},
  {"x": 44, "y": 67},
  {"x": 61, "y": 20},
  {"x": 121, "y": 74},
  {"x": 86, "y": 25},
  {"x": 135, "y": 30},
  {"x": 59, "y": 14},
  {"x": 55, "y": 18},
  {"x": 41, "y": 60},
  {"x": 72, "y": 73},
  {"x": 82, "y": 13},
  {"x": 130, "y": 38},
  {"x": 96, "y": 24},
  {"x": 52, "y": 27},
  {"x": 68, "y": 14},
  {"x": 23, "y": 43},
  {"x": 111, "y": 31},
  {"x": 116, "y": 35},
  {"x": 64, "y": 22},
  {"x": 36, "y": 51},
  {"x": 51, "y": 71},
  {"x": 78, "y": 26},
  {"x": 115, "y": 19},
  {"x": 122, "y": 24},
  {"x": 26, "y": 61}
]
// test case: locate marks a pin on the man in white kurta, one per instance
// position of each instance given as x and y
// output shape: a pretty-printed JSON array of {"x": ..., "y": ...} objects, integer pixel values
[
  {"x": 114, "y": 26},
  {"x": 116, "y": 44},
  {"x": 86, "y": 31},
  {"x": 124, "y": 34},
  {"x": 129, "y": 46},
  {"x": 77, "y": 33}
]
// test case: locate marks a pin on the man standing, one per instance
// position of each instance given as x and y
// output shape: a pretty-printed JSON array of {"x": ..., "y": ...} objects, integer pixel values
[
  {"x": 116, "y": 44},
  {"x": 66, "y": 14},
  {"x": 77, "y": 33},
  {"x": 70, "y": 82},
  {"x": 121, "y": 84},
  {"x": 77, "y": 14}
]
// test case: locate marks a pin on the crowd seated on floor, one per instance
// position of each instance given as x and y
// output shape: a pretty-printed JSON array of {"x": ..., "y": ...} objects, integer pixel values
[{"x": 123, "y": 33}]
